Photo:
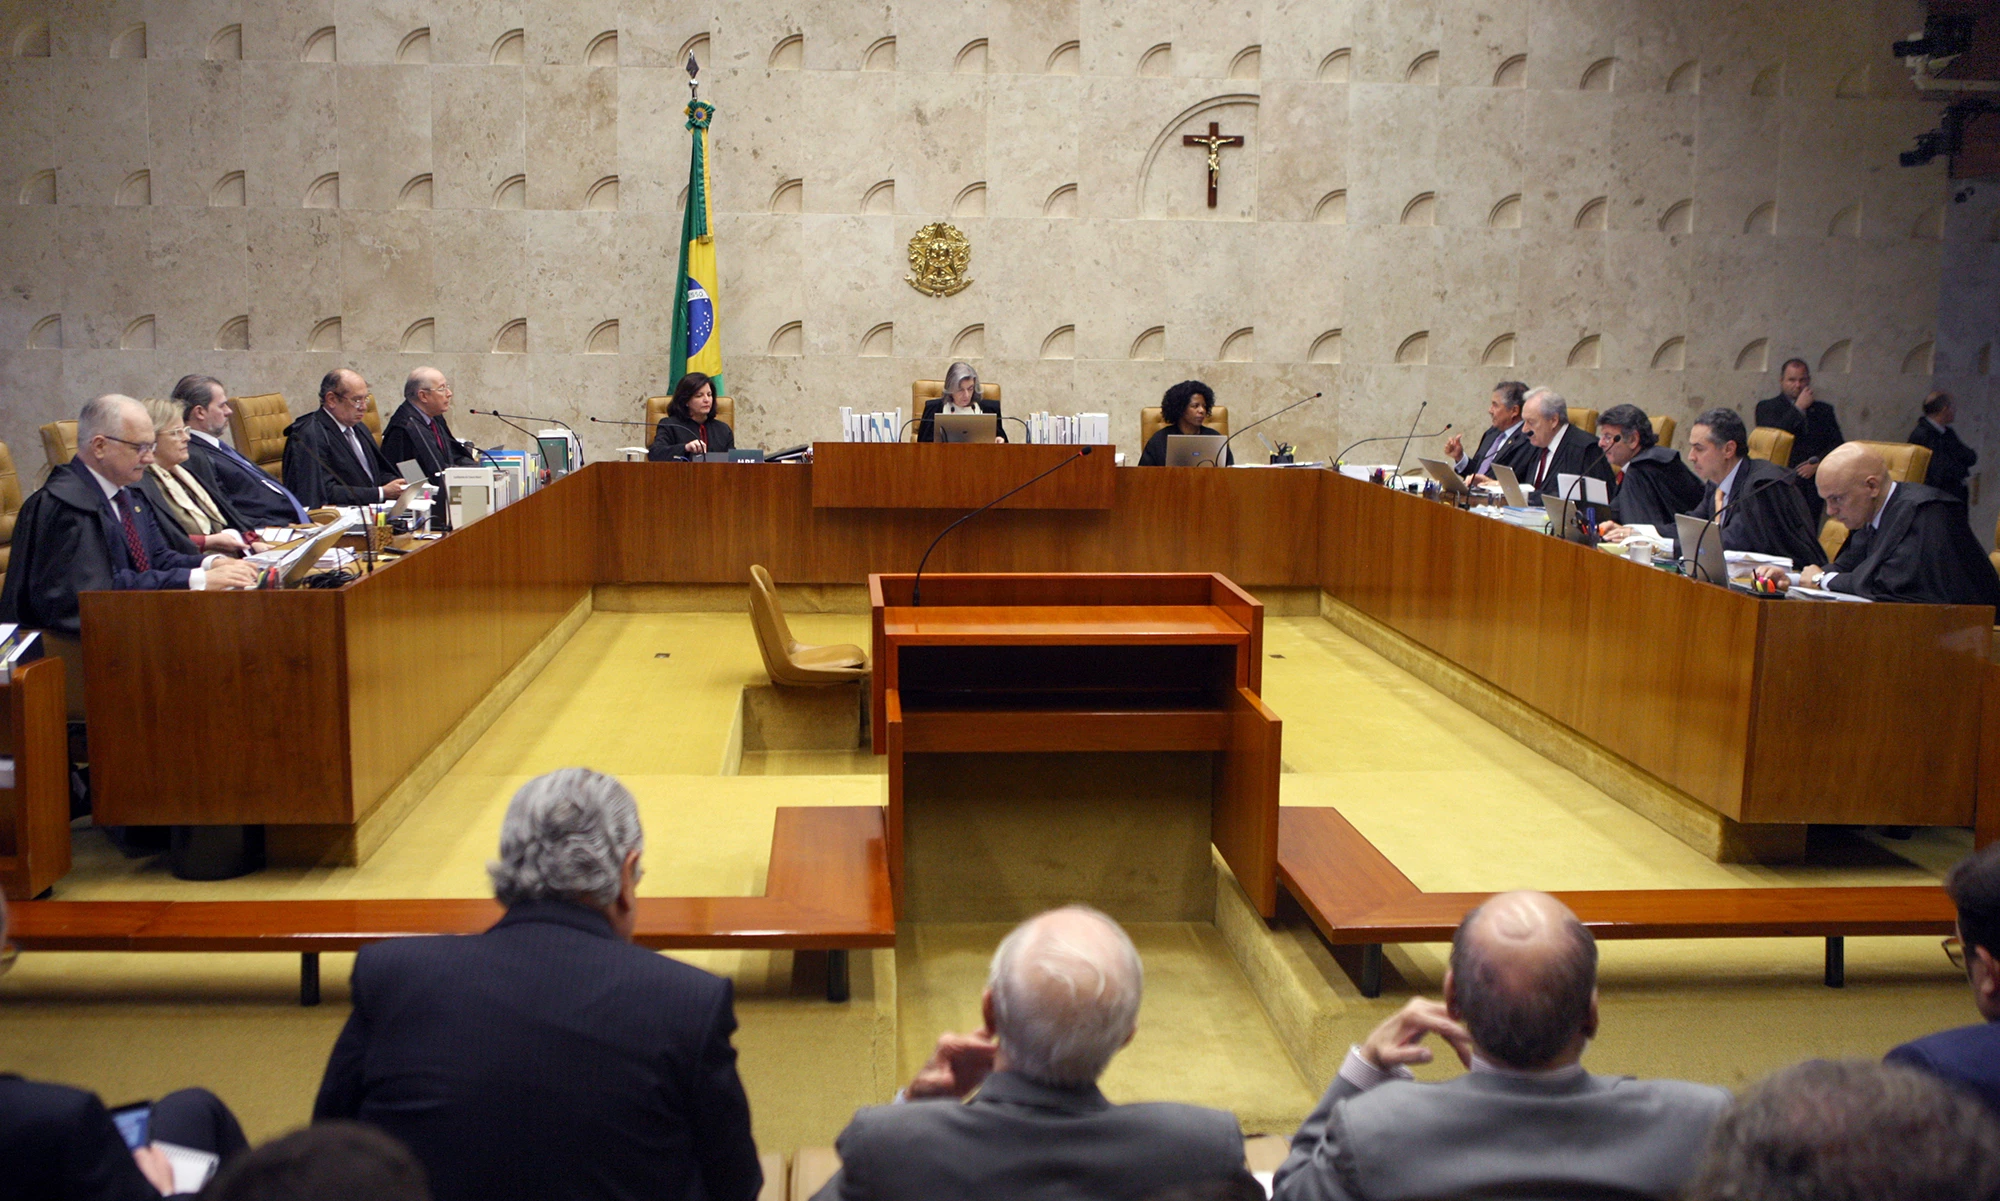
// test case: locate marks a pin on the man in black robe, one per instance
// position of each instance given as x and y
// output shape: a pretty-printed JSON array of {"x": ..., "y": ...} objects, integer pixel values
[
  {"x": 1908, "y": 542},
  {"x": 1811, "y": 422},
  {"x": 1951, "y": 459},
  {"x": 330, "y": 457},
  {"x": 1749, "y": 498},
  {"x": 1652, "y": 485},
  {"x": 417, "y": 431},
  {"x": 1504, "y": 442},
  {"x": 1559, "y": 448}
]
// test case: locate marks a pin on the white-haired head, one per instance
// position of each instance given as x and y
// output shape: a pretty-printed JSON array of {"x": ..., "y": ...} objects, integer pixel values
[
  {"x": 1065, "y": 989},
  {"x": 565, "y": 838},
  {"x": 1549, "y": 403}
]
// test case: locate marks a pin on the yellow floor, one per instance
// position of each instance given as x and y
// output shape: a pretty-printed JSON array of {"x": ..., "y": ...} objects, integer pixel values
[{"x": 1454, "y": 802}]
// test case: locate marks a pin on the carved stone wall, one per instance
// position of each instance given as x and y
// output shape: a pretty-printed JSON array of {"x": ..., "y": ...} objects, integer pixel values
[{"x": 1653, "y": 201}]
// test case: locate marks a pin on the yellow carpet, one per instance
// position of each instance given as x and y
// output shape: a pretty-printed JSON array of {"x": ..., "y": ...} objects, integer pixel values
[{"x": 1454, "y": 802}]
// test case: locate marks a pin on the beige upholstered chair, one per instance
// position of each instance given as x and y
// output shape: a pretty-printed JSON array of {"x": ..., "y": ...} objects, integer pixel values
[
  {"x": 10, "y": 505},
  {"x": 1150, "y": 422},
  {"x": 257, "y": 425},
  {"x": 1832, "y": 536},
  {"x": 1771, "y": 444},
  {"x": 656, "y": 408},
  {"x": 1663, "y": 427},
  {"x": 1583, "y": 419},
  {"x": 923, "y": 391},
  {"x": 59, "y": 443},
  {"x": 1908, "y": 462},
  {"x": 785, "y": 658},
  {"x": 373, "y": 420}
]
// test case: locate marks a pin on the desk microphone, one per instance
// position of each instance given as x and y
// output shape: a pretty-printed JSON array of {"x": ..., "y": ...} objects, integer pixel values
[
  {"x": 544, "y": 420},
  {"x": 1222, "y": 452},
  {"x": 1407, "y": 437},
  {"x": 533, "y": 440},
  {"x": 609, "y": 421},
  {"x": 917, "y": 585},
  {"x": 1790, "y": 473},
  {"x": 1390, "y": 438}
]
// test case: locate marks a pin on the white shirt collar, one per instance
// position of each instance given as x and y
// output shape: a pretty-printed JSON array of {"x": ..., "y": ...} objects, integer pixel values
[
  {"x": 1556, "y": 439},
  {"x": 1509, "y": 431},
  {"x": 1875, "y": 522},
  {"x": 110, "y": 489},
  {"x": 1934, "y": 425},
  {"x": 1728, "y": 485},
  {"x": 205, "y": 436}
]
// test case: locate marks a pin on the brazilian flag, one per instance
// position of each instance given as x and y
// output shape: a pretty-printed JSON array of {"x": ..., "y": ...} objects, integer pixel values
[{"x": 696, "y": 347}]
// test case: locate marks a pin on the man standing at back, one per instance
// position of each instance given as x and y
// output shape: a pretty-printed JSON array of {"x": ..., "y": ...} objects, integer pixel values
[
  {"x": 1520, "y": 1006},
  {"x": 1062, "y": 998},
  {"x": 549, "y": 1057},
  {"x": 1812, "y": 423}
]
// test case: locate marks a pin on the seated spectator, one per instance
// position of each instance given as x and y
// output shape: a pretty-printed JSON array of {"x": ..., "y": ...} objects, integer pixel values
[
  {"x": 192, "y": 518},
  {"x": 549, "y": 1057},
  {"x": 333, "y": 1161},
  {"x": 1970, "y": 1055},
  {"x": 1852, "y": 1131},
  {"x": 87, "y": 529},
  {"x": 1520, "y": 1006},
  {"x": 1062, "y": 998},
  {"x": 60, "y": 1144}
]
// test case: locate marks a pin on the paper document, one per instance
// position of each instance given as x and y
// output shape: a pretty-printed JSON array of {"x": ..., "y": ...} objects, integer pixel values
[
  {"x": 1592, "y": 491},
  {"x": 192, "y": 1168},
  {"x": 1802, "y": 592}
]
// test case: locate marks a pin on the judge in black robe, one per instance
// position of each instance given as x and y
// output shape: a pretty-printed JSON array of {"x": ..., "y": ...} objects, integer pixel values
[
  {"x": 1763, "y": 515},
  {"x": 1951, "y": 459},
  {"x": 691, "y": 421},
  {"x": 417, "y": 431},
  {"x": 1559, "y": 448},
  {"x": 1652, "y": 485},
  {"x": 1908, "y": 542},
  {"x": 1814, "y": 428},
  {"x": 1184, "y": 410},
  {"x": 330, "y": 457}
]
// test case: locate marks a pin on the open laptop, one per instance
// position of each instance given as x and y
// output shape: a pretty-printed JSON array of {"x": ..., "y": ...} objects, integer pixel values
[
  {"x": 1510, "y": 486},
  {"x": 1564, "y": 519},
  {"x": 966, "y": 427},
  {"x": 1447, "y": 476},
  {"x": 1194, "y": 450},
  {"x": 1711, "y": 566},
  {"x": 299, "y": 560}
]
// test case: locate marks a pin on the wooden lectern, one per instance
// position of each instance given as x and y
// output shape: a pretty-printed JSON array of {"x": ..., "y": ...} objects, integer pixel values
[
  {"x": 1042, "y": 664},
  {"x": 34, "y": 813}
]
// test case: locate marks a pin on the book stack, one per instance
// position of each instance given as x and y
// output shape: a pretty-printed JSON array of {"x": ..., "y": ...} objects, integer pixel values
[{"x": 870, "y": 427}]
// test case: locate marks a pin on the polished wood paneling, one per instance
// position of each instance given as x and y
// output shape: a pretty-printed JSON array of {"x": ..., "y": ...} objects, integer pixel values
[
  {"x": 959, "y": 475},
  {"x": 34, "y": 813},
  {"x": 1244, "y": 826}
]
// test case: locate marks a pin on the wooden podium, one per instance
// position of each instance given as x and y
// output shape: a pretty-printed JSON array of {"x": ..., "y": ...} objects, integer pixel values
[
  {"x": 1040, "y": 665},
  {"x": 34, "y": 813}
]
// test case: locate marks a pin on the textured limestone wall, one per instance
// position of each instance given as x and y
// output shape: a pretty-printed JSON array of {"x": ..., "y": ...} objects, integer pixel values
[{"x": 1645, "y": 200}]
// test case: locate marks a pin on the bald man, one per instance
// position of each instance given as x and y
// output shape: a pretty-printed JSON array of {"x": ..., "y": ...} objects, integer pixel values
[
  {"x": 417, "y": 431},
  {"x": 1061, "y": 999},
  {"x": 1520, "y": 1006},
  {"x": 1905, "y": 542}
]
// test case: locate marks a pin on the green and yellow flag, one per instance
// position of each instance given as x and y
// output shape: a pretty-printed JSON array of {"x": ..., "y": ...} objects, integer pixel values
[{"x": 696, "y": 344}]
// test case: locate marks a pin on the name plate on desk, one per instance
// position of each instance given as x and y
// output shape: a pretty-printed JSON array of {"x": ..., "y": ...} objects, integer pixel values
[{"x": 931, "y": 475}]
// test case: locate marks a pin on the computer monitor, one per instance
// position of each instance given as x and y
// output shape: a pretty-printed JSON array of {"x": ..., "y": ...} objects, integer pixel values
[
  {"x": 1193, "y": 450},
  {"x": 966, "y": 427}
]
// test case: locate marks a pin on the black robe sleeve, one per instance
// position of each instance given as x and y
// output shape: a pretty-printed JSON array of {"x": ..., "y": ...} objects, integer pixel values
[
  {"x": 1936, "y": 560},
  {"x": 1654, "y": 493},
  {"x": 1155, "y": 453},
  {"x": 1774, "y": 522},
  {"x": 57, "y": 553}
]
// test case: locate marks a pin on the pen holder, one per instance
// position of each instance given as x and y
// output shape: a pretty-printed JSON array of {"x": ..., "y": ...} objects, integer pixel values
[{"x": 378, "y": 538}]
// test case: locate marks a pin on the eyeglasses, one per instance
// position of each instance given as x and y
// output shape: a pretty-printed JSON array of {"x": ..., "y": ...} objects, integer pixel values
[
  {"x": 1954, "y": 950},
  {"x": 144, "y": 448},
  {"x": 360, "y": 402},
  {"x": 179, "y": 431},
  {"x": 441, "y": 389}
]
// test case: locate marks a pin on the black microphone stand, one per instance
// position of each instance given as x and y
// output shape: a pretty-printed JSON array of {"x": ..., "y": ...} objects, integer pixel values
[
  {"x": 502, "y": 419},
  {"x": 544, "y": 420},
  {"x": 917, "y": 585},
  {"x": 1223, "y": 451},
  {"x": 1406, "y": 440},
  {"x": 1388, "y": 438}
]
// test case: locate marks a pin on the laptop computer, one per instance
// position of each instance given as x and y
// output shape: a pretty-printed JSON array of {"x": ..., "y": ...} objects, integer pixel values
[
  {"x": 1572, "y": 520},
  {"x": 1710, "y": 566},
  {"x": 1446, "y": 475},
  {"x": 966, "y": 427},
  {"x": 1193, "y": 450},
  {"x": 299, "y": 560},
  {"x": 1510, "y": 486}
]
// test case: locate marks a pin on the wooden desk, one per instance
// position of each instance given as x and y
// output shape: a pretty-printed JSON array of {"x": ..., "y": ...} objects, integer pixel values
[{"x": 961, "y": 475}]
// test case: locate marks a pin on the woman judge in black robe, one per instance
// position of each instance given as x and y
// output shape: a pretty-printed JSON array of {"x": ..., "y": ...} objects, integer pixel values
[
  {"x": 690, "y": 427},
  {"x": 1184, "y": 408}
]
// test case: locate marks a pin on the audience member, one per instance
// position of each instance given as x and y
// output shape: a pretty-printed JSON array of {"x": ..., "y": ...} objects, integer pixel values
[
  {"x": 1061, "y": 999},
  {"x": 1520, "y": 1006},
  {"x": 1951, "y": 459},
  {"x": 1969, "y": 1056},
  {"x": 333, "y": 1161},
  {"x": 1752, "y": 513},
  {"x": 690, "y": 426},
  {"x": 330, "y": 457},
  {"x": 60, "y": 1144},
  {"x": 1650, "y": 484},
  {"x": 1504, "y": 442},
  {"x": 961, "y": 395},
  {"x": 220, "y": 467},
  {"x": 417, "y": 432},
  {"x": 1811, "y": 422},
  {"x": 191, "y": 517},
  {"x": 1852, "y": 1131},
  {"x": 87, "y": 529},
  {"x": 1559, "y": 449},
  {"x": 1905, "y": 542},
  {"x": 549, "y": 1057},
  {"x": 1184, "y": 408}
]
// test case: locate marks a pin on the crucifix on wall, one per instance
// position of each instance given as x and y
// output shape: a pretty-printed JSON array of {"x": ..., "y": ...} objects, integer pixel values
[{"x": 1215, "y": 141}]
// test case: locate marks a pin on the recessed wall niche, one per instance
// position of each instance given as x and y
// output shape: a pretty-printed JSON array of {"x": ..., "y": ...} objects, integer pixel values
[
  {"x": 789, "y": 54},
  {"x": 1335, "y": 67}
]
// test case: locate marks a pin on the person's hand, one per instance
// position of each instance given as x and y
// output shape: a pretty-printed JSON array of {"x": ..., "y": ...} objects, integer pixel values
[
  {"x": 1454, "y": 448},
  {"x": 230, "y": 573},
  {"x": 1484, "y": 481},
  {"x": 695, "y": 447},
  {"x": 258, "y": 548},
  {"x": 1771, "y": 573},
  {"x": 1399, "y": 1040},
  {"x": 227, "y": 542},
  {"x": 1808, "y": 470},
  {"x": 394, "y": 489},
  {"x": 1805, "y": 398},
  {"x": 1611, "y": 531},
  {"x": 958, "y": 1065},
  {"x": 1809, "y": 575},
  {"x": 155, "y": 1167}
]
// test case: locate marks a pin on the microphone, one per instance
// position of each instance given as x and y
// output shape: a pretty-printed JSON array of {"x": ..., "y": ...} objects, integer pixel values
[
  {"x": 544, "y": 420},
  {"x": 917, "y": 585},
  {"x": 1391, "y": 438},
  {"x": 1790, "y": 473},
  {"x": 1406, "y": 440},
  {"x": 1222, "y": 452},
  {"x": 502, "y": 418},
  {"x": 608, "y": 421}
]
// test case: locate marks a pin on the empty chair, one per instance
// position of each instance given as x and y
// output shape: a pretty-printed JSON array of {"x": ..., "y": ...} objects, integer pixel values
[
  {"x": 10, "y": 506},
  {"x": 1908, "y": 462},
  {"x": 1664, "y": 427},
  {"x": 1771, "y": 444},
  {"x": 787, "y": 660},
  {"x": 59, "y": 443},
  {"x": 257, "y": 425}
]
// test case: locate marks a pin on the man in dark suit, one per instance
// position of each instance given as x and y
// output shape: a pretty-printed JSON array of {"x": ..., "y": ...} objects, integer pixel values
[
  {"x": 1905, "y": 542},
  {"x": 1062, "y": 999},
  {"x": 549, "y": 1057},
  {"x": 417, "y": 431},
  {"x": 220, "y": 467},
  {"x": 1812, "y": 423},
  {"x": 1757, "y": 514},
  {"x": 1951, "y": 459},
  {"x": 330, "y": 457},
  {"x": 1559, "y": 448},
  {"x": 1504, "y": 442},
  {"x": 1970, "y": 1055},
  {"x": 961, "y": 395},
  {"x": 1520, "y": 1006},
  {"x": 1652, "y": 485},
  {"x": 89, "y": 530}
]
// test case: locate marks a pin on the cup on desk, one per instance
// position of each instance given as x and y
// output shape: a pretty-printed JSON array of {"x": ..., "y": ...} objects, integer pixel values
[{"x": 1639, "y": 551}]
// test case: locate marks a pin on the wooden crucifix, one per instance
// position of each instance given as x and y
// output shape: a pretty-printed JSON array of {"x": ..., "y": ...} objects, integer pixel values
[{"x": 1215, "y": 141}]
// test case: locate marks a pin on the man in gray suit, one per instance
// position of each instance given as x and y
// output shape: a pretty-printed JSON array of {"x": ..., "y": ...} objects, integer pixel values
[
  {"x": 1062, "y": 998},
  {"x": 1520, "y": 1004}
]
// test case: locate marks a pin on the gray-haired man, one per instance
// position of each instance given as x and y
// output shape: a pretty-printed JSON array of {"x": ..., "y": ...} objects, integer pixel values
[
  {"x": 1062, "y": 998},
  {"x": 549, "y": 1057}
]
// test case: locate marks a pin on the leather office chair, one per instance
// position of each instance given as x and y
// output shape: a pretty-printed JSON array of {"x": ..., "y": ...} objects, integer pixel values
[
  {"x": 257, "y": 425},
  {"x": 924, "y": 391},
  {"x": 1150, "y": 423},
  {"x": 373, "y": 420},
  {"x": 10, "y": 506},
  {"x": 59, "y": 443},
  {"x": 1771, "y": 444},
  {"x": 1584, "y": 419},
  {"x": 1832, "y": 536},
  {"x": 1664, "y": 428},
  {"x": 656, "y": 408},
  {"x": 1908, "y": 462},
  {"x": 787, "y": 660}
]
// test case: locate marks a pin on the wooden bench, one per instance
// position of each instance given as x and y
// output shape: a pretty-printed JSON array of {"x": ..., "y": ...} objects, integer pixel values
[
  {"x": 826, "y": 890},
  {"x": 1356, "y": 897}
]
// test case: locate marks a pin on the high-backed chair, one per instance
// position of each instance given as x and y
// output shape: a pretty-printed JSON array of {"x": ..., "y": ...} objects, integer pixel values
[
  {"x": 59, "y": 443},
  {"x": 1663, "y": 427},
  {"x": 10, "y": 506},
  {"x": 1150, "y": 422},
  {"x": 373, "y": 420},
  {"x": 1994, "y": 554},
  {"x": 787, "y": 659},
  {"x": 924, "y": 391},
  {"x": 257, "y": 425},
  {"x": 1583, "y": 419},
  {"x": 1908, "y": 462},
  {"x": 1771, "y": 444},
  {"x": 1832, "y": 536},
  {"x": 656, "y": 408}
]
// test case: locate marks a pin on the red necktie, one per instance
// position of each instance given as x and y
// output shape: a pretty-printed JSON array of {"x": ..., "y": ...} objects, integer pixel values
[
  {"x": 1541, "y": 468},
  {"x": 133, "y": 546},
  {"x": 436, "y": 434}
]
